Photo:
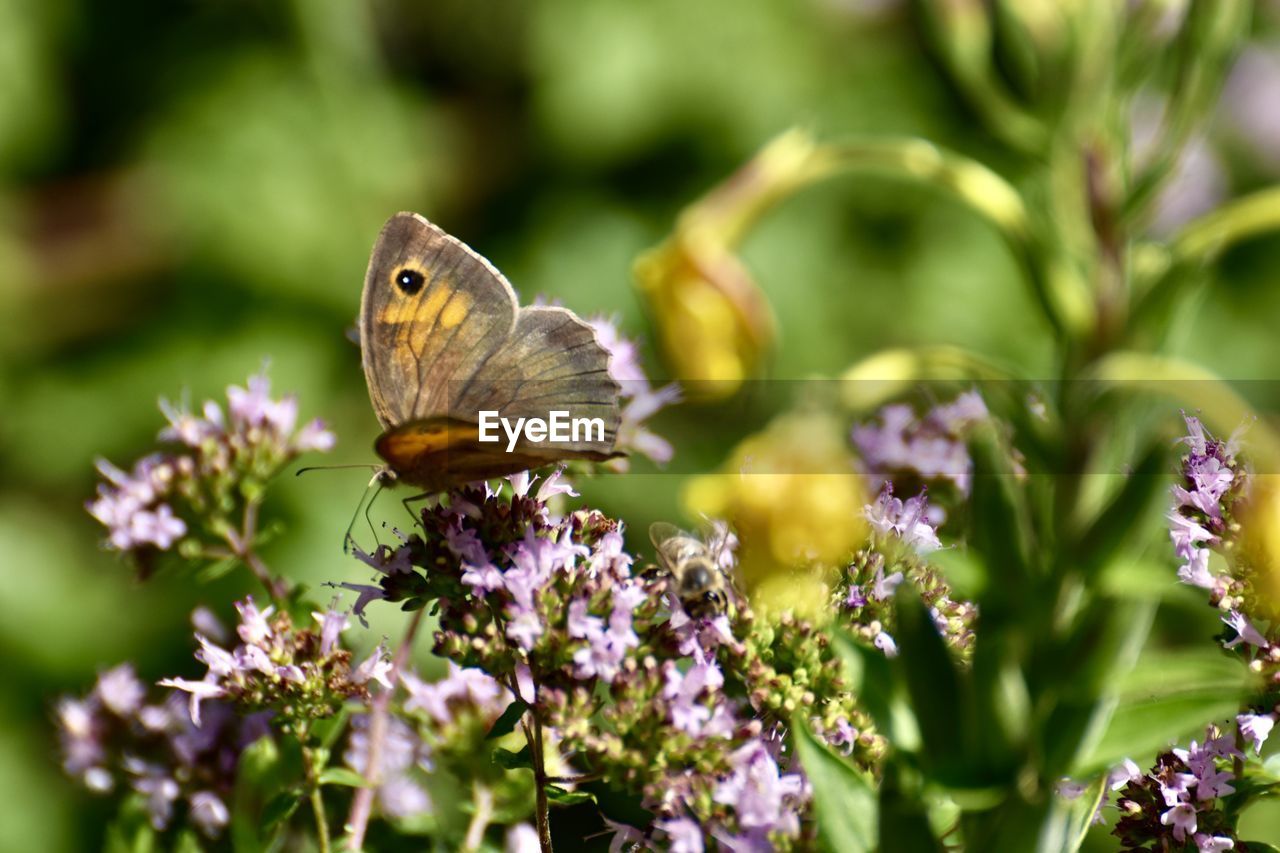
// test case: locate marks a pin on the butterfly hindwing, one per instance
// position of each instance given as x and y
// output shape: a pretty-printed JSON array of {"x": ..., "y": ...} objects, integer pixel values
[
  {"x": 552, "y": 361},
  {"x": 432, "y": 312}
]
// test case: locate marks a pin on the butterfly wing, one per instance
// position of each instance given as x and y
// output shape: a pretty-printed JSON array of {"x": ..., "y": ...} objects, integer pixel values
[
  {"x": 553, "y": 361},
  {"x": 442, "y": 452},
  {"x": 432, "y": 311}
]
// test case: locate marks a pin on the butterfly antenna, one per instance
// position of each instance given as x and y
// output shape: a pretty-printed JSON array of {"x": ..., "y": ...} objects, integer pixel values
[
  {"x": 366, "y": 504},
  {"x": 368, "y": 465}
]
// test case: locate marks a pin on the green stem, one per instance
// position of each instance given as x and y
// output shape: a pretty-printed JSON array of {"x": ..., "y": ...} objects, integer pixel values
[
  {"x": 1205, "y": 239},
  {"x": 482, "y": 798},
  {"x": 317, "y": 800}
]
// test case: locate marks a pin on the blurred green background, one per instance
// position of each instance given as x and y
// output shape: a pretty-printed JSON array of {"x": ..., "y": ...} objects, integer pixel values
[{"x": 189, "y": 188}]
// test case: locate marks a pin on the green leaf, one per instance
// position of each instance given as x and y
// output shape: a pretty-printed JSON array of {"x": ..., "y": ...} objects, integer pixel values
[
  {"x": 326, "y": 732},
  {"x": 1166, "y": 697},
  {"x": 188, "y": 842},
  {"x": 939, "y": 696},
  {"x": 343, "y": 776},
  {"x": 618, "y": 805},
  {"x": 1142, "y": 497},
  {"x": 506, "y": 723},
  {"x": 513, "y": 760},
  {"x": 873, "y": 678},
  {"x": 563, "y": 797},
  {"x": 279, "y": 809},
  {"x": 904, "y": 820},
  {"x": 266, "y": 771},
  {"x": 1068, "y": 821},
  {"x": 1000, "y": 527},
  {"x": 130, "y": 831},
  {"x": 843, "y": 799}
]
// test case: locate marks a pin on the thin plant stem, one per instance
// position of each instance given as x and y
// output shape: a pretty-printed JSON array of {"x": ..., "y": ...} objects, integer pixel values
[
  {"x": 482, "y": 798},
  {"x": 542, "y": 810},
  {"x": 242, "y": 549},
  {"x": 317, "y": 800},
  {"x": 362, "y": 802}
]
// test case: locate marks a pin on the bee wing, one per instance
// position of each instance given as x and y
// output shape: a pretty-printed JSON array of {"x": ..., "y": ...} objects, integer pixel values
[{"x": 660, "y": 532}]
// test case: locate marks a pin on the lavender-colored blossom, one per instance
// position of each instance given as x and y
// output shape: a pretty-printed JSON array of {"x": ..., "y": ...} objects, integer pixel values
[
  {"x": 683, "y": 835},
  {"x": 199, "y": 690},
  {"x": 468, "y": 687},
  {"x": 332, "y": 623},
  {"x": 882, "y": 588},
  {"x": 856, "y": 597},
  {"x": 905, "y": 520},
  {"x": 365, "y": 594},
  {"x": 159, "y": 788},
  {"x": 683, "y": 690},
  {"x": 1245, "y": 632},
  {"x": 254, "y": 628},
  {"x": 642, "y": 401},
  {"x": 120, "y": 690},
  {"x": 1256, "y": 728},
  {"x": 1127, "y": 771},
  {"x": 209, "y": 813},
  {"x": 377, "y": 667},
  {"x": 885, "y": 643},
  {"x": 522, "y": 838},
  {"x": 1182, "y": 818},
  {"x": 932, "y": 447},
  {"x": 1212, "y": 782},
  {"x": 763, "y": 797},
  {"x": 402, "y": 750},
  {"x": 1212, "y": 844}
]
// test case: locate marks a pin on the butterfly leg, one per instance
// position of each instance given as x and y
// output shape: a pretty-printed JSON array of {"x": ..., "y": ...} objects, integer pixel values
[{"x": 417, "y": 517}]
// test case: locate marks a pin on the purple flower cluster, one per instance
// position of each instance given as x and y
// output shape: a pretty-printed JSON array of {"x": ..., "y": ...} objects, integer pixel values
[
  {"x": 930, "y": 448},
  {"x": 902, "y": 535},
  {"x": 1179, "y": 801},
  {"x": 1203, "y": 503},
  {"x": 221, "y": 458},
  {"x": 641, "y": 400},
  {"x": 277, "y": 667},
  {"x": 114, "y": 737}
]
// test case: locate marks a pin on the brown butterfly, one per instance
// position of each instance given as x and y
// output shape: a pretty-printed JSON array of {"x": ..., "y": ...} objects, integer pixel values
[{"x": 444, "y": 340}]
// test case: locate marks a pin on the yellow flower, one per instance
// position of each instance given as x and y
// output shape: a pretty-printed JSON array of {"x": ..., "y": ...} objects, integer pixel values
[
  {"x": 713, "y": 322},
  {"x": 794, "y": 498}
]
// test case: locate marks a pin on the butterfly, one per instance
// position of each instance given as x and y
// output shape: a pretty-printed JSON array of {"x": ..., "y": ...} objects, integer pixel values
[{"x": 444, "y": 341}]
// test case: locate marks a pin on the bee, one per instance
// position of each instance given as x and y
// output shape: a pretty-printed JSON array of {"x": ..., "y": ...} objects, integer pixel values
[{"x": 698, "y": 580}]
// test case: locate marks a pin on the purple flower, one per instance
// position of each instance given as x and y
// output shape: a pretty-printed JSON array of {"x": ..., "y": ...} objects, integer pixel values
[
  {"x": 402, "y": 750},
  {"x": 120, "y": 690},
  {"x": 1245, "y": 632},
  {"x": 1256, "y": 728},
  {"x": 253, "y": 628},
  {"x": 884, "y": 642},
  {"x": 1182, "y": 818},
  {"x": 760, "y": 794},
  {"x": 642, "y": 401},
  {"x": 683, "y": 835},
  {"x": 522, "y": 838},
  {"x": 199, "y": 690},
  {"x": 315, "y": 437},
  {"x": 332, "y": 623},
  {"x": 209, "y": 813},
  {"x": 158, "y": 787},
  {"x": 471, "y": 688},
  {"x": 1214, "y": 844},
  {"x": 905, "y": 520},
  {"x": 1196, "y": 570},
  {"x": 1127, "y": 771},
  {"x": 683, "y": 690},
  {"x": 856, "y": 597},
  {"x": 932, "y": 447},
  {"x": 1212, "y": 782},
  {"x": 553, "y": 485},
  {"x": 365, "y": 593},
  {"x": 377, "y": 667}
]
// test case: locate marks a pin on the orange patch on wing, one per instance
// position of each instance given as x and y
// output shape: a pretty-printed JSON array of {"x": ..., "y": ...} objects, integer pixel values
[
  {"x": 455, "y": 311},
  {"x": 402, "y": 445}
]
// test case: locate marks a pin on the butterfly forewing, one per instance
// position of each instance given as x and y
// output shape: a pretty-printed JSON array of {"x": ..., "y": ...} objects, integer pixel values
[{"x": 433, "y": 311}]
